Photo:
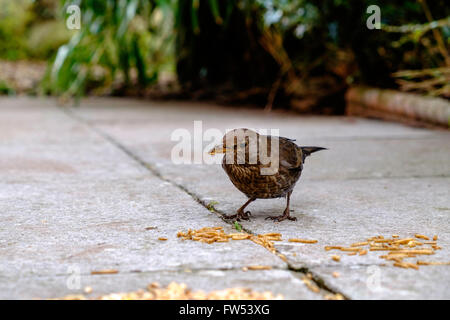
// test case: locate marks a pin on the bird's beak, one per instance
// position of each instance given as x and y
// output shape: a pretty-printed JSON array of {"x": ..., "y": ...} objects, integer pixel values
[{"x": 218, "y": 149}]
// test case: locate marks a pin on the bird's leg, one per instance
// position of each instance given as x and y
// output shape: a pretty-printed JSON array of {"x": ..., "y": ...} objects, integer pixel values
[
  {"x": 285, "y": 214},
  {"x": 241, "y": 214}
]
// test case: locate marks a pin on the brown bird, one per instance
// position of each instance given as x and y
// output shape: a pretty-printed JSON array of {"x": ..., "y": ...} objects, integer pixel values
[{"x": 257, "y": 171}]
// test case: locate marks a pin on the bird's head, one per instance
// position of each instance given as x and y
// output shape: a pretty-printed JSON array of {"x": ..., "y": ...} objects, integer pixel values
[{"x": 236, "y": 140}]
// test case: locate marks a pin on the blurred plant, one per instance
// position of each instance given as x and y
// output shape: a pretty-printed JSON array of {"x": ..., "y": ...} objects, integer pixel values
[
  {"x": 435, "y": 82},
  {"x": 6, "y": 89},
  {"x": 435, "y": 54},
  {"x": 14, "y": 18},
  {"x": 319, "y": 46},
  {"x": 307, "y": 51},
  {"x": 342, "y": 45},
  {"x": 40, "y": 45},
  {"x": 122, "y": 43},
  {"x": 30, "y": 29}
]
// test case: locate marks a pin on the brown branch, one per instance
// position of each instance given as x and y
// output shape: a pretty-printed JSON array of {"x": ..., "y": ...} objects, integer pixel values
[
  {"x": 407, "y": 28},
  {"x": 421, "y": 73},
  {"x": 436, "y": 33},
  {"x": 273, "y": 93}
]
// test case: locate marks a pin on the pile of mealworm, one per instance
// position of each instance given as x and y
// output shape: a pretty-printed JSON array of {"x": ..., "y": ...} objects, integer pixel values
[
  {"x": 180, "y": 291},
  {"x": 216, "y": 234},
  {"x": 397, "y": 249}
]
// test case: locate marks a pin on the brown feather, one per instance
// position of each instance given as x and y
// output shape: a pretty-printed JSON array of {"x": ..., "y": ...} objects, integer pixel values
[{"x": 248, "y": 179}]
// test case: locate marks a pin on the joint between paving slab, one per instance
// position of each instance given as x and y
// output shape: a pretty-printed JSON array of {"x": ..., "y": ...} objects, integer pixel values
[
  {"x": 146, "y": 165},
  {"x": 315, "y": 278}
]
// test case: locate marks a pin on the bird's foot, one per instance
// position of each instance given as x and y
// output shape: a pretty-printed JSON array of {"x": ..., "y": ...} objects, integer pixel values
[
  {"x": 244, "y": 215},
  {"x": 284, "y": 216}
]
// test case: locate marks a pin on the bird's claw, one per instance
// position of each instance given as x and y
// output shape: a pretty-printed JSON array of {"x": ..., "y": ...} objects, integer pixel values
[
  {"x": 281, "y": 218},
  {"x": 238, "y": 216},
  {"x": 243, "y": 215}
]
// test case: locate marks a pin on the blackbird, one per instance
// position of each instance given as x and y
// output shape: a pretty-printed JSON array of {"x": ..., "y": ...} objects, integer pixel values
[{"x": 257, "y": 171}]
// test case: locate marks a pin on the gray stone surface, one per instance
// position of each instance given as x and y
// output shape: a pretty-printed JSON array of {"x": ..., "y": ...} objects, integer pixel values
[
  {"x": 71, "y": 199},
  {"x": 277, "y": 281},
  {"x": 70, "y": 196}
]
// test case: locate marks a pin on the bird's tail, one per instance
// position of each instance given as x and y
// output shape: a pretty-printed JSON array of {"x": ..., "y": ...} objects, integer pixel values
[{"x": 308, "y": 150}]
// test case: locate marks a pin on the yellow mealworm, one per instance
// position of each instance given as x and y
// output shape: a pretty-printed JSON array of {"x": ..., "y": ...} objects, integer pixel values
[{"x": 302, "y": 240}]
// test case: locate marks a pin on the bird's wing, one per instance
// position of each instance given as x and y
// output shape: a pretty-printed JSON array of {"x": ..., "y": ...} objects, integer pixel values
[{"x": 290, "y": 155}]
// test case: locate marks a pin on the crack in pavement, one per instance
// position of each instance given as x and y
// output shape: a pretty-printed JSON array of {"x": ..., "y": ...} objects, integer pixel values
[{"x": 151, "y": 168}]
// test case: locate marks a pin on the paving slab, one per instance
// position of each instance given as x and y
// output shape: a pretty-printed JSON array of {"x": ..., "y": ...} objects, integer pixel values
[
  {"x": 70, "y": 199},
  {"x": 279, "y": 282},
  {"x": 377, "y": 179}
]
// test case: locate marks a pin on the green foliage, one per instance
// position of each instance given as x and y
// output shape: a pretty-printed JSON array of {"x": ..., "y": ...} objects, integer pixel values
[
  {"x": 302, "y": 48},
  {"x": 329, "y": 29},
  {"x": 121, "y": 42},
  {"x": 211, "y": 205},
  {"x": 40, "y": 45},
  {"x": 30, "y": 29},
  {"x": 319, "y": 46},
  {"x": 14, "y": 18},
  {"x": 5, "y": 89}
]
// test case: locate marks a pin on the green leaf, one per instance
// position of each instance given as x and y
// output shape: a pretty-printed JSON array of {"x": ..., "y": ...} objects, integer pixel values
[
  {"x": 211, "y": 205},
  {"x": 215, "y": 11},
  {"x": 194, "y": 16}
]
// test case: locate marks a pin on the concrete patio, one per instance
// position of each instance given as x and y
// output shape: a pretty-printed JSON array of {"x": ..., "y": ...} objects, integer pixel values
[{"x": 80, "y": 188}]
